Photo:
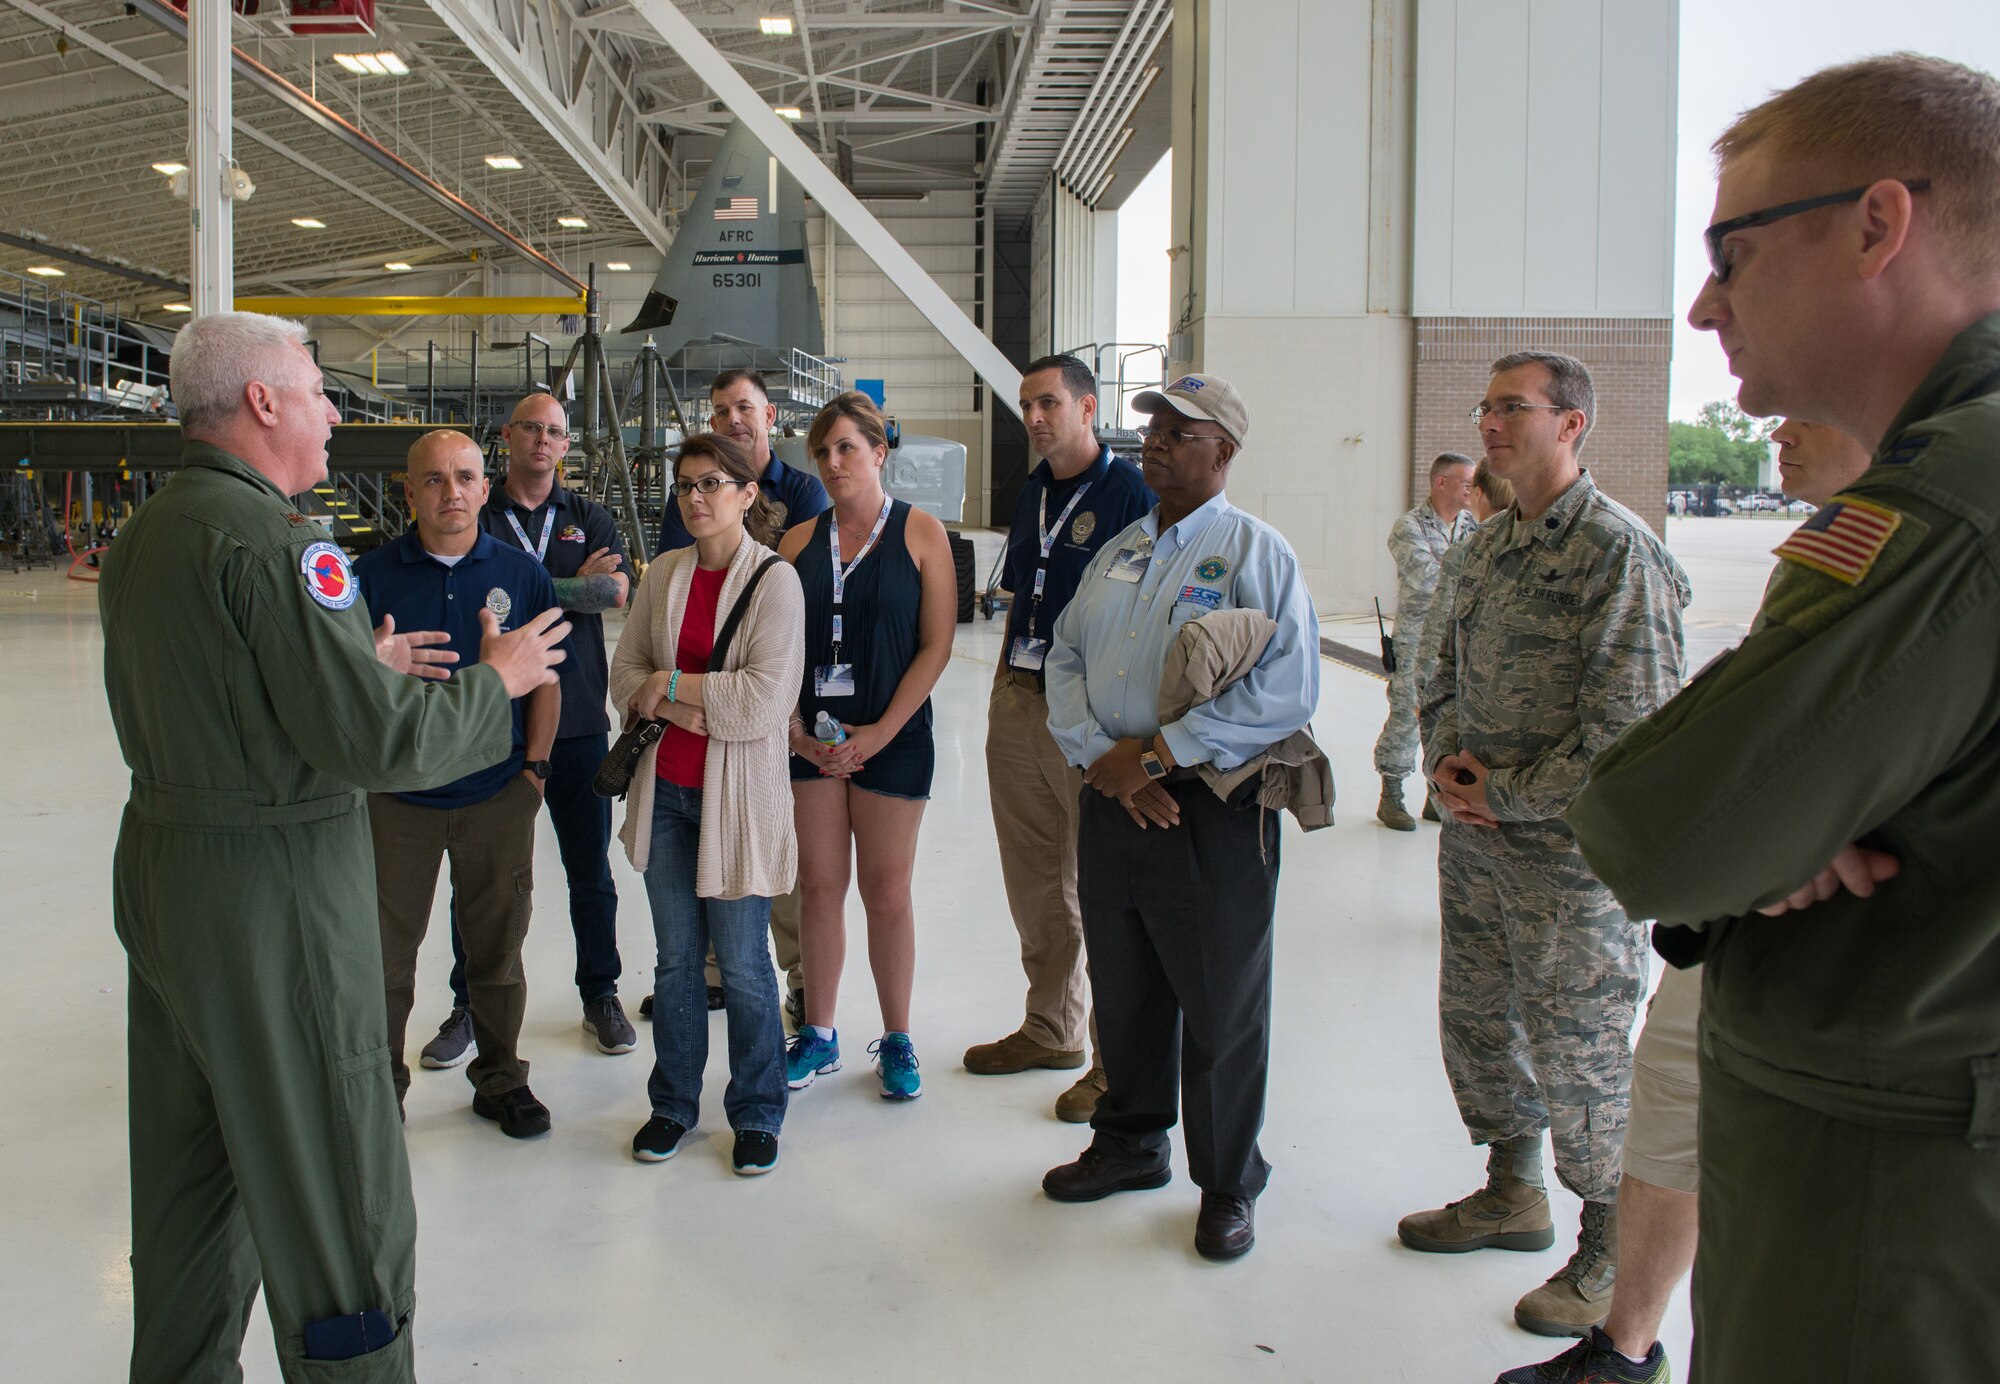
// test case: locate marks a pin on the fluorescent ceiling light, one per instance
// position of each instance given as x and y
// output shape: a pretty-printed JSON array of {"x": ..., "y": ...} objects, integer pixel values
[
  {"x": 46, "y": 271},
  {"x": 619, "y": 267},
  {"x": 170, "y": 168},
  {"x": 309, "y": 223},
  {"x": 505, "y": 162},
  {"x": 373, "y": 64},
  {"x": 779, "y": 27},
  {"x": 397, "y": 267},
  {"x": 176, "y": 307},
  {"x": 790, "y": 112},
  {"x": 575, "y": 223}
]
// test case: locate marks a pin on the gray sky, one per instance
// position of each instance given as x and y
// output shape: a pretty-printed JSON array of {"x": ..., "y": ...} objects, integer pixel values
[{"x": 1734, "y": 53}]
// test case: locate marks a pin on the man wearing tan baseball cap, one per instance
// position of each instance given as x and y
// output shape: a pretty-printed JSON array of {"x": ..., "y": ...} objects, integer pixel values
[{"x": 1177, "y": 885}]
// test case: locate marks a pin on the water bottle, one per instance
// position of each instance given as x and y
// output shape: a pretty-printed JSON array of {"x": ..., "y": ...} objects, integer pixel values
[{"x": 828, "y": 731}]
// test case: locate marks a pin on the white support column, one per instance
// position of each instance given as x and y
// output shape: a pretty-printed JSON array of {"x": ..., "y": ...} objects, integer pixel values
[
  {"x": 825, "y": 187},
  {"x": 211, "y": 212}
]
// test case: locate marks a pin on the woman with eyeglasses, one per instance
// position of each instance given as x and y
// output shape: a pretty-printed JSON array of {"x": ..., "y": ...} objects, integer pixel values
[
  {"x": 709, "y": 821},
  {"x": 881, "y": 600}
]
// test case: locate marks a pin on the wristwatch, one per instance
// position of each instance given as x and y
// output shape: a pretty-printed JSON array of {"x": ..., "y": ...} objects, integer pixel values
[
  {"x": 1150, "y": 762},
  {"x": 540, "y": 768}
]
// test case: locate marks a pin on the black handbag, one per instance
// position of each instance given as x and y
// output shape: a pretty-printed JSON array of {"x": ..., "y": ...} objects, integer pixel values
[{"x": 614, "y": 776}]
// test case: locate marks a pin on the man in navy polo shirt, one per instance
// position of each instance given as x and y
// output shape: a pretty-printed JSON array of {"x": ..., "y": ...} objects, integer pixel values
[
  {"x": 578, "y": 541},
  {"x": 1079, "y": 496},
  {"x": 740, "y": 407},
  {"x": 439, "y": 576}
]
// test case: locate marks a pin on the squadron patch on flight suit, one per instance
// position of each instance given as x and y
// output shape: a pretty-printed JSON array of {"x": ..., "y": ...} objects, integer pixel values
[
  {"x": 500, "y": 603},
  {"x": 1843, "y": 539},
  {"x": 329, "y": 578}
]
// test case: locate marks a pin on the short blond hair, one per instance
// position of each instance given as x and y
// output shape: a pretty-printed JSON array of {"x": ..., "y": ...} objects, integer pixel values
[
  {"x": 1499, "y": 493},
  {"x": 1902, "y": 116}
]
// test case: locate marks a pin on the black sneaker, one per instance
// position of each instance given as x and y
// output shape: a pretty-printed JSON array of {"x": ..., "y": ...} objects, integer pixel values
[
  {"x": 658, "y": 1141},
  {"x": 605, "y": 1021},
  {"x": 453, "y": 1043},
  {"x": 646, "y": 1008},
  {"x": 519, "y": 1114},
  {"x": 756, "y": 1152},
  {"x": 795, "y": 1008},
  {"x": 1593, "y": 1360},
  {"x": 715, "y": 998}
]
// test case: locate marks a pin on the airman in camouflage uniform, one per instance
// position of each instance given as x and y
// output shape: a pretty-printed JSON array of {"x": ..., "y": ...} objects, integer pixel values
[
  {"x": 1562, "y": 629},
  {"x": 1417, "y": 541}
]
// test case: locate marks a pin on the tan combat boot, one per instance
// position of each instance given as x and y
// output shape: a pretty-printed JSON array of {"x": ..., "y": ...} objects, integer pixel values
[
  {"x": 1079, "y": 1102},
  {"x": 1390, "y": 812},
  {"x": 1579, "y": 1296},
  {"x": 1504, "y": 1214}
]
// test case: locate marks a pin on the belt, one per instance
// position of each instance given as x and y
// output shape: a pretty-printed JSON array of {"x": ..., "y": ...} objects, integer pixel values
[
  {"x": 1022, "y": 677},
  {"x": 173, "y": 805}
]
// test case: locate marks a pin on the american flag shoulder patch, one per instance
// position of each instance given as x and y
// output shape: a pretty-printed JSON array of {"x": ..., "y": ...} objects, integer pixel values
[{"x": 1843, "y": 539}]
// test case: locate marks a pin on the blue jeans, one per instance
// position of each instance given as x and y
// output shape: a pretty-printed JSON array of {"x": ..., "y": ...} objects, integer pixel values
[{"x": 684, "y": 926}]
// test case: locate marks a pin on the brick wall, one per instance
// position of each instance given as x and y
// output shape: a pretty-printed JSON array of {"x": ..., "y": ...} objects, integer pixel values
[{"x": 1626, "y": 452}]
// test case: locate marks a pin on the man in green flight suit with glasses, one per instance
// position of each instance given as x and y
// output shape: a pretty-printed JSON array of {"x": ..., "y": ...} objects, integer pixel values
[
  {"x": 253, "y": 705},
  {"x": 1815, "y": 815}
]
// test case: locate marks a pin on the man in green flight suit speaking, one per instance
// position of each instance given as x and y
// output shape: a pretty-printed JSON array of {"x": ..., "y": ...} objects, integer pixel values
[
  {"x": 253, "y": 704},
  {"x": 1815, "y": 815}
]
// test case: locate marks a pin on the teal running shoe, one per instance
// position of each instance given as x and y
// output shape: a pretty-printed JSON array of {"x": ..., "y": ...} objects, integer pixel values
[
  {"x": 808, "y": 1055},
  {"x": 896, "y": 1064}
]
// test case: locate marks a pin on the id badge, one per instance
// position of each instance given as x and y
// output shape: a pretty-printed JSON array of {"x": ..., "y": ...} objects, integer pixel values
[
  {"x": 833, "y": 680},
  {"x": 1128, "y": 564},
  {"x": 1027, "y": 653}
]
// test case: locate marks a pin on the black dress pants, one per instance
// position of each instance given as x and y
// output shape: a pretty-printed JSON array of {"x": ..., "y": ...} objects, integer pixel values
[{"x": 1177, "y": 927}]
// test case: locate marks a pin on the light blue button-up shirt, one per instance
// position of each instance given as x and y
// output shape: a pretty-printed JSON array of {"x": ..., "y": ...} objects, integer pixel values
[{"x": 1103, "y": 671}]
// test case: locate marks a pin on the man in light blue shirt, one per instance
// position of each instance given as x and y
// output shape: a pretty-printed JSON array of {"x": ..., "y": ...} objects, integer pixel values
[{"x": 1177, "y": 886}]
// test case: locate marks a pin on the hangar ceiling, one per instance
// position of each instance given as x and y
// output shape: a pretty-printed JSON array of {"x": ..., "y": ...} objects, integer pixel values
[{"x": 606, "y": 121}]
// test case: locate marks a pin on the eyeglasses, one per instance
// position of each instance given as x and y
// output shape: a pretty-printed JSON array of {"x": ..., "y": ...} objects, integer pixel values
[
  {"x": 707, "y": 485},
  {"x": 1509, "y": 410},
  {"x": 554, "y": 432},
  {"x": 1176, "y": 437},
  {"x": 1719, "y": 265}
]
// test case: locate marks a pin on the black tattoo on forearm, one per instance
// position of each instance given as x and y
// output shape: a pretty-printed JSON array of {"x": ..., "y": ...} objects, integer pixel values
[{"x": 588, "y": 595}]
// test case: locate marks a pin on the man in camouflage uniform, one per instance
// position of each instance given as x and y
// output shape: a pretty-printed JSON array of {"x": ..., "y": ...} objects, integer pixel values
[
  {"x": 1564, "y": 628},
  {"x": 1418, "y": 542}
]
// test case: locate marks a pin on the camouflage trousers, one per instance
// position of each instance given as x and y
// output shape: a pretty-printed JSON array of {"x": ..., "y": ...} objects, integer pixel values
[
  {"x": 1539, "y": 980},
  {"x": 1396, "y": 747}
]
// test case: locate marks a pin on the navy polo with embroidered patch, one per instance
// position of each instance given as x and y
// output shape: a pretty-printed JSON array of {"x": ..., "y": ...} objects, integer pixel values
[
  {"x": 426, "y": 593},
  {"x": 1116, "y": 500},
  {"x": 578, "y": 528}
]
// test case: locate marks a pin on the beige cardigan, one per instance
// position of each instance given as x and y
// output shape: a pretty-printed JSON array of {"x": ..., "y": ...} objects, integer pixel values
[{"x": 747, "y": 845}]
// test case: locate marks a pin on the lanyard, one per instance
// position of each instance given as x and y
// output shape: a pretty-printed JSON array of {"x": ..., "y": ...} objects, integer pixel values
[
  {"x": 540, "y": 550},
  {"x": 1048, "y": 537},
  {"x": 841, "y": 574}
]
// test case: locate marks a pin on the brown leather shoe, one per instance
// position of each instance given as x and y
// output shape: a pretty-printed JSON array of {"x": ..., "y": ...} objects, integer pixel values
[
  {"x": 1097, "y": 1174},
  {"x": 1227, "y": 1226},
  {"x": 1079, "y": 1102},
  {"x": 1017, "y": 1052}
]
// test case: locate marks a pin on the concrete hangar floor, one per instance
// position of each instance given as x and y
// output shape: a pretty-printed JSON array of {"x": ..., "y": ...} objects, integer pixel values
[{"x": 894, "y": 1242}]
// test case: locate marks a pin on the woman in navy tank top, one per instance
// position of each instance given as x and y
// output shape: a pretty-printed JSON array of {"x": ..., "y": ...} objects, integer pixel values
[{"x": 881, "y": 600}]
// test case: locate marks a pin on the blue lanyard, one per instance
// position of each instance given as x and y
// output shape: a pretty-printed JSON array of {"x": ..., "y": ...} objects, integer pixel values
[
  {"x": 541, "y": 550},
  {"x": 841, "y": 574}
]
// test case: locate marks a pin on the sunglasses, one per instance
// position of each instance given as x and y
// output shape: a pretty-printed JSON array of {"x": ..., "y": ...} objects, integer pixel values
[{"x": 1719, "y": 265}]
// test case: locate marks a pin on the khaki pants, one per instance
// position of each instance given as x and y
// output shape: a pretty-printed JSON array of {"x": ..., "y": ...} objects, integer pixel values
[
  {"x": 492, "y": 850},
  {"x": 1034, "y": 796}
]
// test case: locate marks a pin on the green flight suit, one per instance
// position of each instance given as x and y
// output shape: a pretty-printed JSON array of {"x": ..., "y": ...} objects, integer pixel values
[
  {"x": 264, "y": 1130},
  {"x": 1850, "y": 1105}
]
